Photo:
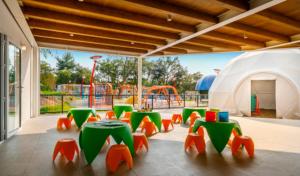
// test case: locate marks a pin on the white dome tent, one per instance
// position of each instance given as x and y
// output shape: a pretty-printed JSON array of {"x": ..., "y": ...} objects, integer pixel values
[{"x": 274, "y": 76}]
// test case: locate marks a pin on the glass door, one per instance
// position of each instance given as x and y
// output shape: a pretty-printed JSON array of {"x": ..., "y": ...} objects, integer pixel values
[{"x": 14, "y": 91}]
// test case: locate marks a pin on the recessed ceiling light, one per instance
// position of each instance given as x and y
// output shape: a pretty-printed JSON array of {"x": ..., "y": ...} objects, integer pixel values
[
  {"x": 169, "y": 18},
  {"x": 80, "y": 0},
  {"x": 245, "y": 36},
  {"x": 132, "y": 43},
  {"x": 71, "y": 35}
]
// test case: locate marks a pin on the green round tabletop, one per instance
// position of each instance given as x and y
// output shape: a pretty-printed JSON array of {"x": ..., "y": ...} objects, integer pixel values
[
  {"x": 80, "y": 115},
  {"x": 137, "y": 117},
  {"x": 218, "y": 132},
  {"x": 93, "y": 136},
  {"x": 119, "y": 109},
  {"x": 186, "y": 112}
]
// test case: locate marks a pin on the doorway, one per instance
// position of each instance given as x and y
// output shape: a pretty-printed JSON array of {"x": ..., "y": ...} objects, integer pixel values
[
  {"x": 14, "y": 89},
  {"x": 10, "y": 89},
  {"x": 263, "y": 93}
]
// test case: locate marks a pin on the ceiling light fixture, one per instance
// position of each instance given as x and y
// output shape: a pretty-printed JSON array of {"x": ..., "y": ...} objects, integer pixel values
[
  {"x": 245, "y": 36},
  {"x": 80, "y": 0},
  {"x": 169, "y": 18},
  {"x": 23, "y": 47},
  {"x": 132, "y": 43},
  {"x": 71, "y": 35}
]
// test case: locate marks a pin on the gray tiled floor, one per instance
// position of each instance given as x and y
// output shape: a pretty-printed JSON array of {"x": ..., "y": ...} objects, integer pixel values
[{"x": 277, "y": 152}]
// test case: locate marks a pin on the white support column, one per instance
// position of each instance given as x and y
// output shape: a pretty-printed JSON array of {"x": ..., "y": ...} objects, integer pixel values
[
  {"x": 140, "y": 85},
  {"x": 35, "y": 82}
]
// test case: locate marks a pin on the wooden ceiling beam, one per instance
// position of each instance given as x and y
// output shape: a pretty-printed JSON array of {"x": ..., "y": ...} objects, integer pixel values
[
  {"x": 37, "y": 24},
  {"x": 193, "y": 47},
  {"x": 90, "y": 45},
  {"x": 99, "y": 12},
  {"x": 84, "y": 49},
  {"x": 236, "y": 5},
  {"x": 233, "y": 39},
  {"x": 279, "y": 19},
  {"x": 176, "y": 50},
  {"x": 88, "y": 39},
  {"x": 268, "y": 15},
  {"x": 57, "y": 17},
  {"x": 257, "y": 32},
  {"x": 240, "y": 6},
  {"x": 170, "y": 8},
  {"x": 213, "y": 44}
]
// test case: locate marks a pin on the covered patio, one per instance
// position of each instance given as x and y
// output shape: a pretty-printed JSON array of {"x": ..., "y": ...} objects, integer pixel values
[
  {"x": 140, "y": 29},
  {"x": 277, "y": 152}
]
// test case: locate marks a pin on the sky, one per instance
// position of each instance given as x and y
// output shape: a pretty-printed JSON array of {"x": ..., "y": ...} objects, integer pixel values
[{"x": 204, "y": 63}]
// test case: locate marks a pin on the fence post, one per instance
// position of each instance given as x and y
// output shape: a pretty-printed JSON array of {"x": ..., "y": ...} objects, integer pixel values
[
  {"x": 112, "y": 101},
  {"x": 152, "y": 101},
  {"x": 62, "y": 103},
  {"x": 133, "y": 97},
  {"x": 169, "y": 101},
  {"x": 184, "y": 99},
  {"x": 197, "y": 100}
]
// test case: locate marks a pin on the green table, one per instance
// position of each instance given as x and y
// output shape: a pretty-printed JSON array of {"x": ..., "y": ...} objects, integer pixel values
[
  {"x": 119, "y": 109},
  {"x": 137, "y": 117},
  {"x": 218, "y": 132},
  {"x": 93, "y": 136},
  {"x": 186, "y": 112},
  {"x": 80, "y": 115}
]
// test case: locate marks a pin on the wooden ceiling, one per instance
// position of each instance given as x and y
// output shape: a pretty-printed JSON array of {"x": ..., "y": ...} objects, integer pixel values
[{"x": 137, "y": 27}]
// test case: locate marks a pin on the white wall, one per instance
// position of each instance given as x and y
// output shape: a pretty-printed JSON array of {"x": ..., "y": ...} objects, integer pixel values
[
  {"x": 285, "y": 95},
  {"x": 265, "y": 91},
  {"x": 11, "y": 26}
]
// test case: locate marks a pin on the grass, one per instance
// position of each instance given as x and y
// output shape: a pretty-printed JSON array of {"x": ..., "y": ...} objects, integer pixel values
[
  {"x": 46, "y": 92},
  {"x": 55, "y": 108}
]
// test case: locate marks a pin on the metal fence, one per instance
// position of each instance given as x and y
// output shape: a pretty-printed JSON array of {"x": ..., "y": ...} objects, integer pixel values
[{"x": 63, "y": 103}]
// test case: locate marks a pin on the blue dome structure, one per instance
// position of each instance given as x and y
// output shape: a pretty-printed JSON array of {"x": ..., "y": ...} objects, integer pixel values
[{"x": 204, "y": 83}]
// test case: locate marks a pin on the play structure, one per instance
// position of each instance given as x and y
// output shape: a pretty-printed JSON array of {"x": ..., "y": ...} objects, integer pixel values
[
  {"x": 166, "y": 92},
  {"x": 271, "y": 76}
]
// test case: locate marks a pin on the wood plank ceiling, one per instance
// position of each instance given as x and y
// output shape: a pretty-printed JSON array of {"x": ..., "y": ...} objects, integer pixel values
[{"x": 136, "y": 27}]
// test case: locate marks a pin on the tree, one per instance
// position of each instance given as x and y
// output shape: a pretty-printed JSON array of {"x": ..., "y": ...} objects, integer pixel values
[
  {"x": 65, "y": 62},
  {"x": 64, "y": 76},
  {"x": 79, "y": 72},
  {"x": 117, "y": 70},
  {"x": 47, "y": 77}
]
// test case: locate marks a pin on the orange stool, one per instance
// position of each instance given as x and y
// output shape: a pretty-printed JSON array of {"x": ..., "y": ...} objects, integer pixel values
[
  {"x": 149, "y": 127},
  {"x": 234, "y": 134},
  {"x": 98, "y": 116},
  {"x": 140, "y": 140},
  {"x": 92, "y": 119},
  {"x": 243, "y": 140},
  {"x": 126, "y": 120},
  {"x": 63, "y": 121},
  {"x": 177, "y": 118},
  {"x": 166, "y": 123},
  {"x": 145, "y": 119},
  {"x": 70, "y": 118},
  {"x": 193, "y": 118},
  {"x": 127, "y": 115},
  {"x": 67, "y": 148},
  {"x": 194, "y": 139},
  {"x": 200, "y": 130},
  {"x": 116, "y": 155},
  {"x": 110, "y": 115}
]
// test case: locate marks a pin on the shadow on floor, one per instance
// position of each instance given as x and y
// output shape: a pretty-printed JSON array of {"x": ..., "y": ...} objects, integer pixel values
[{"x": 31, "y": 154}]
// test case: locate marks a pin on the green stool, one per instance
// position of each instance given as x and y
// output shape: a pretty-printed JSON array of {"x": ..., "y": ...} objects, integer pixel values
[
  {"x": 93, "y": 136},
  {"x": 186, "y": 112},
  {"x": 137, "y": 117},
  {"x": 218, "y": 132},
  {"x": 80, "y": 115}
]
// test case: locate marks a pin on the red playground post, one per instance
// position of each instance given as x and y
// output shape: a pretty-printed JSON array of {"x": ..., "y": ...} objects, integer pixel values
[{"x": 91, "y": 94}]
